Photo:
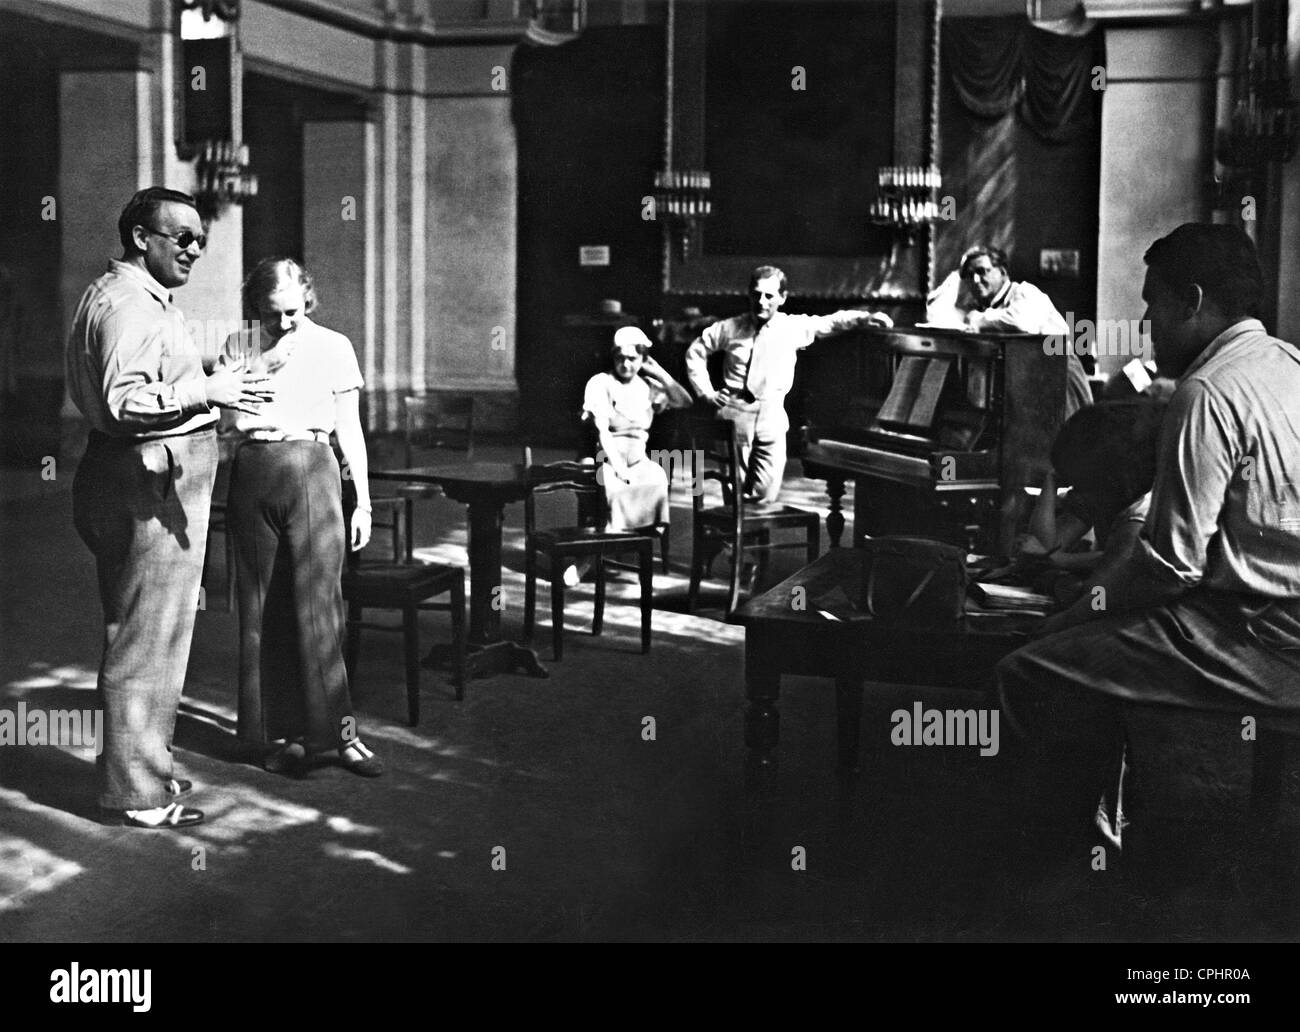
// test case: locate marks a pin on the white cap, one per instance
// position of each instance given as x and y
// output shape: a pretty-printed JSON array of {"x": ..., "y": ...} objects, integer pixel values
[{"x": 625, "y": 335}]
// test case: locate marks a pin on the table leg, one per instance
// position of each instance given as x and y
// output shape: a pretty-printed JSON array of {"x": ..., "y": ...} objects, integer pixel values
[
  {"x": 487, "y": 653},
  {"x": 835, "y": 518},
  {"x": 762, "y": 721},
  {"x": 848, "y": 723},
  {"x": 485, "y": 598}
]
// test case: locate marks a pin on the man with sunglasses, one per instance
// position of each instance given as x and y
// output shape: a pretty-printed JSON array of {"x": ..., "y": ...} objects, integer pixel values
[{"x": 142, "y": 492}]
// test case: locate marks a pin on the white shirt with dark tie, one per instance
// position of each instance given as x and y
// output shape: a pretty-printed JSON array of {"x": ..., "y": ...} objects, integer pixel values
[{"x": 758, "y": 358}]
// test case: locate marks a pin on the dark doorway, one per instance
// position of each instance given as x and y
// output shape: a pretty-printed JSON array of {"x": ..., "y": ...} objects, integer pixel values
[
  {"x": 33, "y": 323},
  {"x": 274, "y": 113},
  {"x": 589, "y": 117}
]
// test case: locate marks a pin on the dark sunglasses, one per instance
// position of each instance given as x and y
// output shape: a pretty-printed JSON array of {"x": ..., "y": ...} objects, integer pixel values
[{"x": 182, "y": 239}]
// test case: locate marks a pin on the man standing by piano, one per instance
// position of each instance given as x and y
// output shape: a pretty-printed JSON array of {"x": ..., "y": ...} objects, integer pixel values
[
  {"x": 759, "y": 350},
  {"x": 1206, "y": 612},
  {"x": 1000, "y": 304}
]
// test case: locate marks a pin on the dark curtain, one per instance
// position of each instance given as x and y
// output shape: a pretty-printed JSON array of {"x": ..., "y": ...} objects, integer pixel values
[{"x": 997, "y": 64}]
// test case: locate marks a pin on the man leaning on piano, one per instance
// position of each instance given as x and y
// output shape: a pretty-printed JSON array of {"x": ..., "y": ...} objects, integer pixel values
[
  {"x": 759, "y": 353},
  {"x": 760, "y": 349},
  {"x": 981, "y": 296}
]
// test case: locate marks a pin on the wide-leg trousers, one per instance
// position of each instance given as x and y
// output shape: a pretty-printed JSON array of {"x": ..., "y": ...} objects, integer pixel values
[
  {"x": 142, "y": 508},
  {"x": 286, "y": 517},
  {"x": 761, "y": 428}
]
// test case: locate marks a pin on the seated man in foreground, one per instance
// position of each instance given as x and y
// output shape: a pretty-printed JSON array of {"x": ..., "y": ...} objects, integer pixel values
[{"x": 1206, "y": 612}]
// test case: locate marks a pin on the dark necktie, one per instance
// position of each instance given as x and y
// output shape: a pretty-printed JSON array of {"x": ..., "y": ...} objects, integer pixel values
[{"x": 755, "y": 372}]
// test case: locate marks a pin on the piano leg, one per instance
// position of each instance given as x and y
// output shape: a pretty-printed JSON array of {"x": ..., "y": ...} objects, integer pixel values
[{"x": 835, "y": 518}]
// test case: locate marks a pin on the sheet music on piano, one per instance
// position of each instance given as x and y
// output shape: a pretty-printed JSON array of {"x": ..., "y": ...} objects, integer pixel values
[
  {"x": 938, "y": 429},
  {"x": 913, "y": 399}
]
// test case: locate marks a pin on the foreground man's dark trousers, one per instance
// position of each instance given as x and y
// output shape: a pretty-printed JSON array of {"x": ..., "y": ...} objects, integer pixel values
[
  {"x": 142, "y": 508},
  {"x": 1061, "y": 695},
  {"x": 285, "y": 511}
]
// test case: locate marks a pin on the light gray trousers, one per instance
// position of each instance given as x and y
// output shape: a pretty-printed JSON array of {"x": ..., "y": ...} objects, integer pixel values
[{"x": 142, "y": 508}]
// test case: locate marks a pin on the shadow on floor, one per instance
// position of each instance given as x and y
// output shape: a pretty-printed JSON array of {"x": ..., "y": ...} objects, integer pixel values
[{"x": 604, "y": 803}]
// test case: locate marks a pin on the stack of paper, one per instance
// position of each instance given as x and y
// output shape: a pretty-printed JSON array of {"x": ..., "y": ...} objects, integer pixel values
[{"x": 1010, "y": 596}]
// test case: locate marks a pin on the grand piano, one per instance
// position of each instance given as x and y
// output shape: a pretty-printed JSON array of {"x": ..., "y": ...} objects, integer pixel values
[{"x": 939, "y": 430}]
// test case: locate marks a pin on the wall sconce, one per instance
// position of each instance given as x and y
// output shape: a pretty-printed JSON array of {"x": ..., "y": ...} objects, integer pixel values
[
  {"x": 224, "y": 177},
  {"x": 906, "y": 201},
  {"x": 226, "y": 10},
  {"x": 682, "y": 197},
  {"x": 209, "y": 85},
  {"x": 1263, "y": 123},
  {"x": 906, "y": 198},
  {"x": 566, "y": 16},
  {"x": 1262, "y": 128}
]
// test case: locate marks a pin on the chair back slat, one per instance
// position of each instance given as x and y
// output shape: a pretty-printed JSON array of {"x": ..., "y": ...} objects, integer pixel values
[
  {"x": 714, "y": 443},
  {"x": 581, "y": 479},
  {"x": 430, "y": 420}
]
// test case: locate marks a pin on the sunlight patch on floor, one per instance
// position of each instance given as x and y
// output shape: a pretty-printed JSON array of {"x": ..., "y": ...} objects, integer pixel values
[
  {"x": 345, "y": 826},
  {"x": 43, "y": 675},
  {"x": 244, "y": 810},
  {"x": 422, "y": 742},
  {"x": 339, "y": 852},
  {"x": 26, "y": 870}
]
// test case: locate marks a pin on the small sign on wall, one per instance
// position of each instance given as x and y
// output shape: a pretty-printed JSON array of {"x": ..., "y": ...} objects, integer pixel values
[
  {"x": 1059, "y": 261},
  {"x": 593, "y": 255}
]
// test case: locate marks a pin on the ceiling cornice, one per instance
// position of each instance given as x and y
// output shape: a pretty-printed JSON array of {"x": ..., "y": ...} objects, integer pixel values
[{"x": 394, "y": 29}]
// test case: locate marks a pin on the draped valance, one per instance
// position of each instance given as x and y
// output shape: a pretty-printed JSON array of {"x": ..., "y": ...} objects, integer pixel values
[{"x": 999, "y": 64}]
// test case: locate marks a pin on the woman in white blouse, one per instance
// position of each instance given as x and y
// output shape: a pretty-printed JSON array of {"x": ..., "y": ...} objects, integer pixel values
[
  {"x": 621, "y": 405},
  {"x": 285, "y": 515}
]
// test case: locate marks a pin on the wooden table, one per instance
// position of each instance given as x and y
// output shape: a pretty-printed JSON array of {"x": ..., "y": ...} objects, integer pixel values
[
  {"x": 787, "y": 633},
  {"x": 486, "y": 488}
]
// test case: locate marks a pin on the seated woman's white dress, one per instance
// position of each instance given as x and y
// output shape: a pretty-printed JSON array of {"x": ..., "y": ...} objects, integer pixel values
[{"x": 629, "y": 409}]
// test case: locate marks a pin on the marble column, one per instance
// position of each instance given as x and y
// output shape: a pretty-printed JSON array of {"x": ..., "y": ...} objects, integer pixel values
[
  {"x": 1157, "y": 128},
  {"x": 472, "y": 187}
]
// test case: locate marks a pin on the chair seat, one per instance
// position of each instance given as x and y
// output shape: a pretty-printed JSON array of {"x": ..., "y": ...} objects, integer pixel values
[
  {"x": 419, "y": 491},
  {"x": 393, "y": 504},
  {"x": 381, "y": 584},
  {"x": 587, "y": 535},
  {"x": 588, "y": 539},
  {"x": 405, "y": 586},
  {"x": 769, "y": 514}
]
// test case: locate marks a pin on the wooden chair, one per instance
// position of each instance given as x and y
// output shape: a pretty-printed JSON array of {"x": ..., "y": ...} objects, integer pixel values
[
  {"x": 589, "y": 451},
  {"x": 587, "y": 539},
  {"x": 743, "y": 528},
  {"x": 408, "y": 587},
  {"x": 392, "y": 514},
  {"x": 439, "y": 420}
]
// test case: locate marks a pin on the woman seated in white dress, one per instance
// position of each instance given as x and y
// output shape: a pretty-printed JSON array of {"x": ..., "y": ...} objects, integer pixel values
[{"x": 621, "y": 405}]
